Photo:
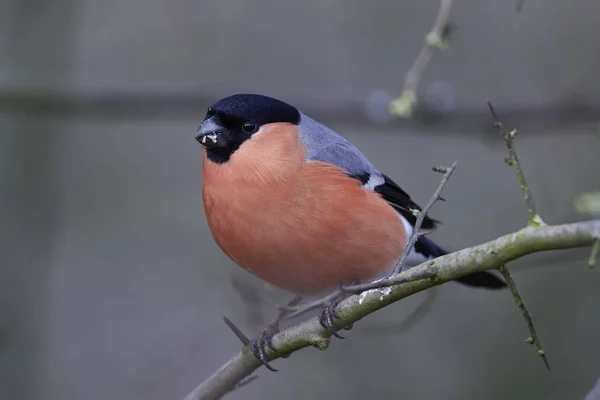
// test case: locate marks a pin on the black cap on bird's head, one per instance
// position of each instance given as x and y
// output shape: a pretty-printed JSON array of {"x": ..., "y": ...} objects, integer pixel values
[{"x": 234, "y": 119}]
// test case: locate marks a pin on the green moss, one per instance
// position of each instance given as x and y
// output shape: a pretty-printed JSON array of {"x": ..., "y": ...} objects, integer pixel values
[{"x": 321, "y": 344}]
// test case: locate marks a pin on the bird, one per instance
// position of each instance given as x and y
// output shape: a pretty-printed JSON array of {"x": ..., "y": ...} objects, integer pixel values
[{"x": 297, "y": 205}]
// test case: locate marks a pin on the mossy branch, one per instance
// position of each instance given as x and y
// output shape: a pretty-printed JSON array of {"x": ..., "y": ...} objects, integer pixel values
[{"x": 490, "y": 255}]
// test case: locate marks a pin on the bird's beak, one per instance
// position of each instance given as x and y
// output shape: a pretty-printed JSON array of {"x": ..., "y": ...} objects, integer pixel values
[{"x": 212, "y": 135}]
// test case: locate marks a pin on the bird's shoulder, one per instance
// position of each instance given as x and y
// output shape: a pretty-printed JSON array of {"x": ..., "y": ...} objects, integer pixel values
[{"x": 326, "y": 145}]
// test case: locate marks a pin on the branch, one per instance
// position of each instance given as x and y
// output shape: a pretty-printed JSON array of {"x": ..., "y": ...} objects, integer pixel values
[
  {"x": 490, "y": 255},
  {"x": 513, "y": 160},
  {"x": 534, "y": 338},
  {"x": 436, "y": 39},
  {"x": 535, "y": 220}
]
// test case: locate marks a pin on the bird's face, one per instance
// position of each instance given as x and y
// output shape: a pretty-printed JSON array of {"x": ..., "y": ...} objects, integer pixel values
[{"x": 235, "y": 119}]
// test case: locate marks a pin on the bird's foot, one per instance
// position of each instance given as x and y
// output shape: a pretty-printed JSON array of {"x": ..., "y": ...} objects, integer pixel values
[
  {"x": 265, "y": 337},
  {"x": 263, "y": 340},
  {"x": 327, "y": 315}
]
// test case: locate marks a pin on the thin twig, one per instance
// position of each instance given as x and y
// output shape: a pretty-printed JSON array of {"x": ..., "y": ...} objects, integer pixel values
[
  {"x": 396, "y": 279},
  {"x": 435, "y": 39},
  {"x": 533, "y": 338},
  {"x": 535, "y": 220},
  {"x": 422, "y": 214},
  {"x": 513, "y": 160}
]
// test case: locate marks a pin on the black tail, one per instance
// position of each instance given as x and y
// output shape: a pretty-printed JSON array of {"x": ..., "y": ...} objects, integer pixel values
[{"x": 482, "y": 279}]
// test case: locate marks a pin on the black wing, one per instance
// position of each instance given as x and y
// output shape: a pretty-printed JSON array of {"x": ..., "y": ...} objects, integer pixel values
[{"x": 401, "y": 201}]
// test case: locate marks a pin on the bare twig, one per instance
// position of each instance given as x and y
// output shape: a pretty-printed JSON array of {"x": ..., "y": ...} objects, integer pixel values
[
  {"x": 422, "y": 214},
  {"x": 533, "y": 338},
  {"x": 535, "y": 220},
  {"x": 435, "y": 39},
  {"x": 513, "y": 160},
  {"x": 396, "y": 279},
  {"x": 491, "y": 255}
]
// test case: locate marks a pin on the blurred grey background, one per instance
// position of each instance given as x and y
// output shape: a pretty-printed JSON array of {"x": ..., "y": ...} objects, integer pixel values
[{"x": 111, "y": 286}]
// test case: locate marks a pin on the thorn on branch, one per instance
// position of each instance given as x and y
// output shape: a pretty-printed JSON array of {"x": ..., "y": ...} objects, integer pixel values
[
  {"x": 533, "y": 337},
  {"x": 513, "y": 160},
  {"x": 237, "y": 331},
  {"x": 258, "y": 346}
]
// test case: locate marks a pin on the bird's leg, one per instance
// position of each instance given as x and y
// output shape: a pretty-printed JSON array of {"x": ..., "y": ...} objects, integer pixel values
[
  {"x": 257, "y": 346},
  {"x": 328, "y": 313}
]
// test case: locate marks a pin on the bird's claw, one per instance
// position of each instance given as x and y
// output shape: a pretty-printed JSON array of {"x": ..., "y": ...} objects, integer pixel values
[
  {"x": 264, "y": 340},
  {"x": 327, "y": 315}
]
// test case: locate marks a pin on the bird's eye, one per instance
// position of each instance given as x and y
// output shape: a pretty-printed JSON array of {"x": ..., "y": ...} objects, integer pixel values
[
  {"x": 209, "y": 113},
  {"x": 249, "y": 127}
]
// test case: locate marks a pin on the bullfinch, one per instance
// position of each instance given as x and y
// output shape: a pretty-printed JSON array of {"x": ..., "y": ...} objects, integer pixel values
[{"x": 297, "y": 205}]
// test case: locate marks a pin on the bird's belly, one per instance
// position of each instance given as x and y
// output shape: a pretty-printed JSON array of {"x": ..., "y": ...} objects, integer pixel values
[{"x": 307, "y": 244}]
